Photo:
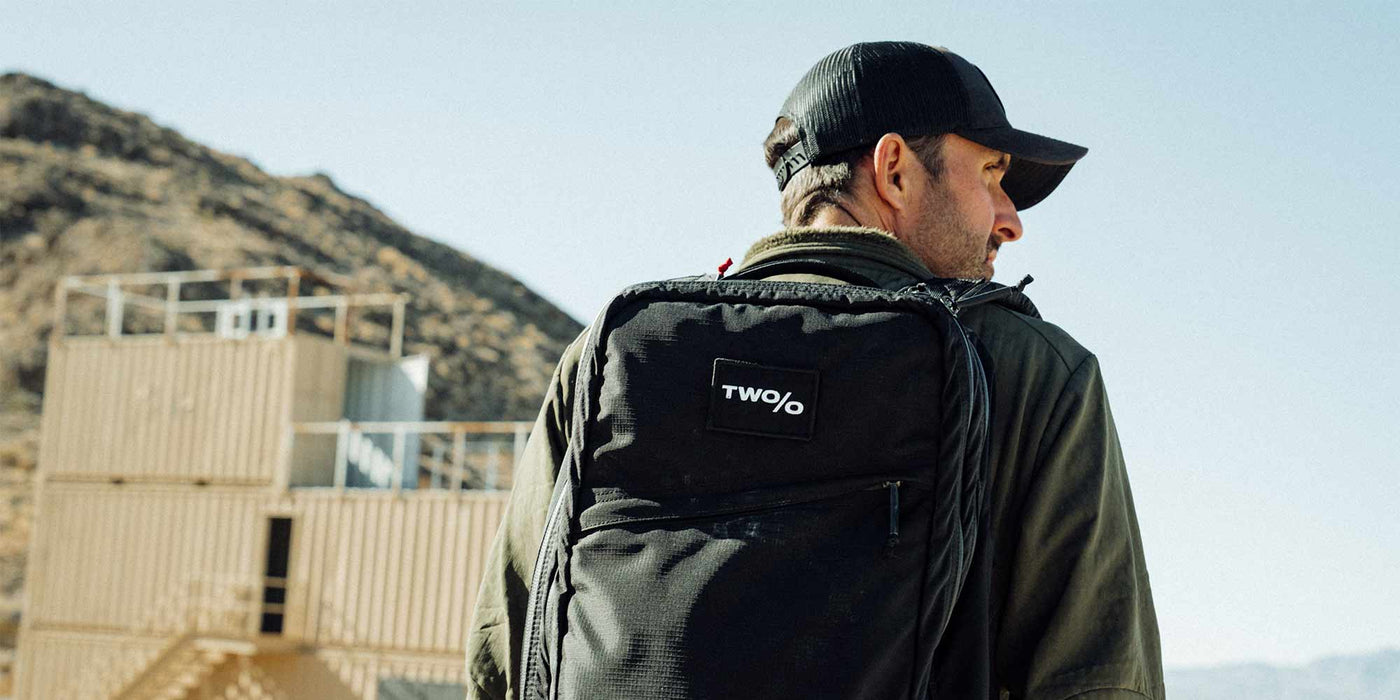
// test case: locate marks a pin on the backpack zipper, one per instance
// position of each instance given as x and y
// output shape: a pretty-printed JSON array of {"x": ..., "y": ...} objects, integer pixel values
[
  {"x": 893, "y": 539},
  {"x": 975, "y": 296},
  {"x": 922, "y": 288},
  {"x": 844, "y": 488}
]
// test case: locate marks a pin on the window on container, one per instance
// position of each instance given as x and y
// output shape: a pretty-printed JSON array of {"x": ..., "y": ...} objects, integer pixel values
[{"x": 274, "y": 599}]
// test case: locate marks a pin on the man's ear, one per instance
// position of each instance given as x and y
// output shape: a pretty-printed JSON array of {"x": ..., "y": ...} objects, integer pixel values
[{"x": 894, "y": 173}]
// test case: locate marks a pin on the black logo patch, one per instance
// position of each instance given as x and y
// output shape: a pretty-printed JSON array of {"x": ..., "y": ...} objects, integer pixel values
[{"x": 758, "y": 400}]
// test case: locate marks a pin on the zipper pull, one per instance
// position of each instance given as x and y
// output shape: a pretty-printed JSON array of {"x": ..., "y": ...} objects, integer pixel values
[
  {"x": 969, "y": 292},
  {"x": 923, "y": 289},
  {"x": 984, "y": 297},
  {"x": 893, "y": 539}
]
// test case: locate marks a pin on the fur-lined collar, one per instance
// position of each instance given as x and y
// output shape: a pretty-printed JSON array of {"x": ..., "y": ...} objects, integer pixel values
[
  {"x": 866, "y": 242},
  {"x": 831, "y": 234}
]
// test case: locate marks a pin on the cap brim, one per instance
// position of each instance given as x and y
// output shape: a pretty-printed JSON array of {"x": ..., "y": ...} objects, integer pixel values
[{"x": 1038, "y": 163}]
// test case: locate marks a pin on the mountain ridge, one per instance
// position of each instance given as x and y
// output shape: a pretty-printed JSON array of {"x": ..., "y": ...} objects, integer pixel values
[{"x": 1372, "y": 676}]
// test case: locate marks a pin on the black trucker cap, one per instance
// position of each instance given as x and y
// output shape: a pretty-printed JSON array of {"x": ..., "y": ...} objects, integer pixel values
[{"x": 856, "y": 95}]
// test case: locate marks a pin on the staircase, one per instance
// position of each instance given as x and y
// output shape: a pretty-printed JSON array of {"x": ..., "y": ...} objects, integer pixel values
[
  {"x": 211, "y": 618},
  {"x": 182, "y": 667}
]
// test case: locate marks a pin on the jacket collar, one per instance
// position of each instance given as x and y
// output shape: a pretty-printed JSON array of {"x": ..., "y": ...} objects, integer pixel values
[
  {"x": 871, "y": 244},
  {"x": 862, "y": 242}
]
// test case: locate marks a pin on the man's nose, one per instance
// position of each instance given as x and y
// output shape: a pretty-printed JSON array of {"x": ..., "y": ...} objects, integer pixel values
[{"x": 1007, "y": 225}]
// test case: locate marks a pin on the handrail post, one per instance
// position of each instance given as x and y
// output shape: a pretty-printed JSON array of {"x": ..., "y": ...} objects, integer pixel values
[
  {"x": 342, "y": 321},
  {"x": 172, "y": 305},
  {"x": 399, "y": 449},
  {"x": 438, "y": 450},
  {"x": 293, "y": 291},
  {"x": 459, "y": 457},
  {"x": 114, "y": 309},
  {"x": 493, "y": 467},
  {"x": 342, "y": 450}
]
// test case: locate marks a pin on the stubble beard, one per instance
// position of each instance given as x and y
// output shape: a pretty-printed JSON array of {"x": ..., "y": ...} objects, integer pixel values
[{"x": 948, "y": 245}]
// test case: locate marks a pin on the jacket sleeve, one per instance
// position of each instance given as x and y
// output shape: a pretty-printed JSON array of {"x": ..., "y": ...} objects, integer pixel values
[
  {"x": 497, "y": 626},
  {"x": 1078, "y": 620}
]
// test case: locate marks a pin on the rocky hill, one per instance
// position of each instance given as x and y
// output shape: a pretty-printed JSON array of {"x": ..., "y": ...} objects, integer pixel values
[{"x": 85, "y": 188}]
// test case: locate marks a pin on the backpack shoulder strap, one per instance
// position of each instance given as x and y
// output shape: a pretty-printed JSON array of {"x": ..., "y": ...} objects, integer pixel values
[{"x": 801, "y": 266}]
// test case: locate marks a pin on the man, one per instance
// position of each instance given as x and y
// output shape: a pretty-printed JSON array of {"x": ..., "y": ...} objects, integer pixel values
[{"x": 896, "y": 161}]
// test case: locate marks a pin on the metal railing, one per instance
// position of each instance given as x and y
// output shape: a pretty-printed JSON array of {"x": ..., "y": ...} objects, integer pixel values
[
  {"x": 451, "y": 455},
  {"x": 237, "y": 314}
]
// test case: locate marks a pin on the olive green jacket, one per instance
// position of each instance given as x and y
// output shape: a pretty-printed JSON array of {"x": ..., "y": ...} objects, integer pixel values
[{"x": 1069, "y": 610}]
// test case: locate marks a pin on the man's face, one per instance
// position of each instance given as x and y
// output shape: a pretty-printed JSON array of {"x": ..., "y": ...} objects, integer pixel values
[{"x": 964, "y": 216}]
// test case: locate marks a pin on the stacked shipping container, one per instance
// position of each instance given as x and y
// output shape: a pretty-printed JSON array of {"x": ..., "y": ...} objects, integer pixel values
[{"x": 164, "y": 464}]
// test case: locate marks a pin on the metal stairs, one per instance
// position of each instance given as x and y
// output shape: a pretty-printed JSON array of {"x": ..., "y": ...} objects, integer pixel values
[{"x": 182, "y": 667}]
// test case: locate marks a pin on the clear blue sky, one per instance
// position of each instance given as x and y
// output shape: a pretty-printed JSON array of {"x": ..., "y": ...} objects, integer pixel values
[{"x": 1226, "y": 249}]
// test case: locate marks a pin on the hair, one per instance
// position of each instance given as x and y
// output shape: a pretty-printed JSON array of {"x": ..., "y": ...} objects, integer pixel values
[{"x": 828, "y": 182}]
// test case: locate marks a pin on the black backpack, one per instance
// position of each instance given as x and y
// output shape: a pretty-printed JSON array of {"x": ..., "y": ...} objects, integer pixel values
[{"x": 772, "y": 490}]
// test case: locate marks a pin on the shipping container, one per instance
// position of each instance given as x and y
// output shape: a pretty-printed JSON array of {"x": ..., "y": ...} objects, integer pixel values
[{"x": 251, "y": 511}]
